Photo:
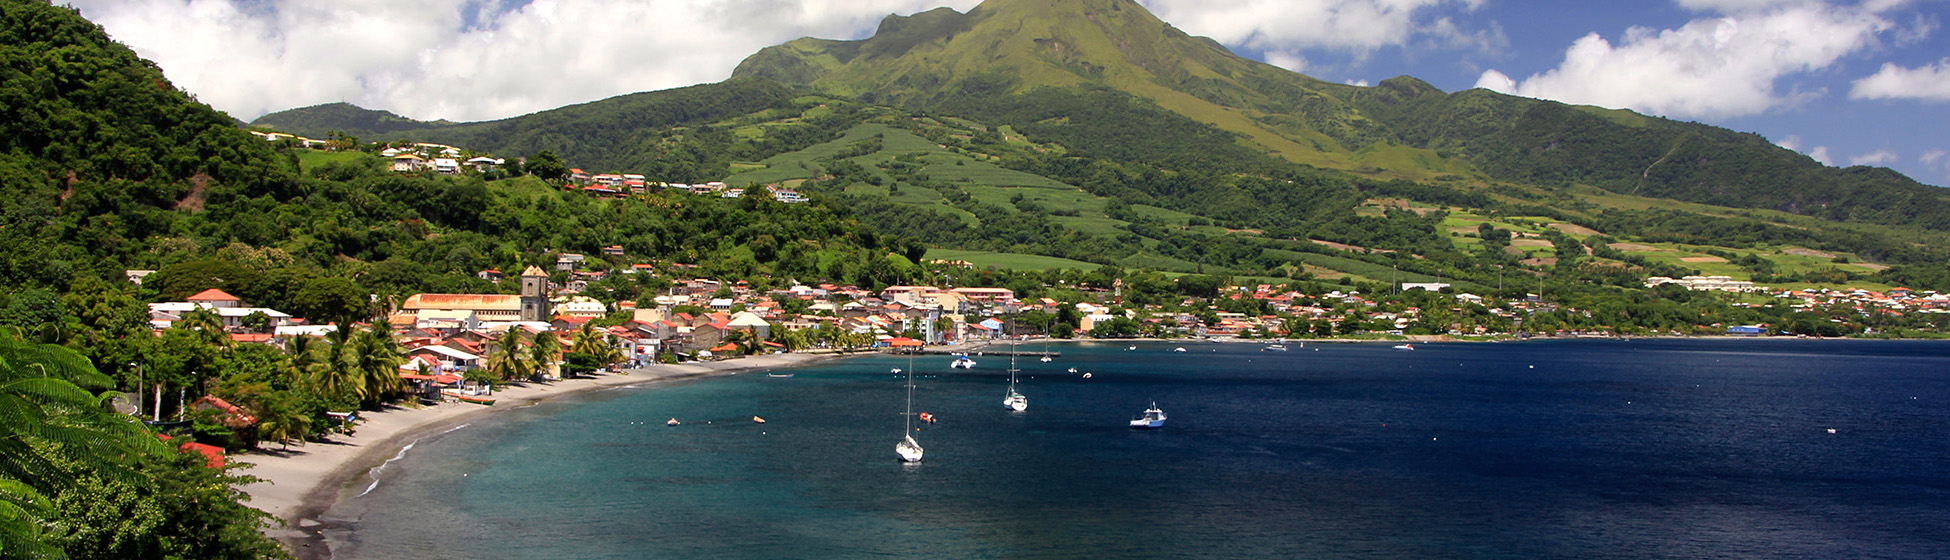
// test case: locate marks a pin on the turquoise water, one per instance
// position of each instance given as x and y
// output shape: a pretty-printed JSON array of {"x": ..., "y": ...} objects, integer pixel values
[{"x": 1571, "y": 449}]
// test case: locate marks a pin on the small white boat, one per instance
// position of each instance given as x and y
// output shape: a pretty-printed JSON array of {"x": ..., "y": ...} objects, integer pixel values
[
  {"x": 779, "y": 375},
  {"x": 908, "y": 449},
  {"x": 1274, "y": 348},
  {"x": 1178, "y": 349},
  {"x": 1127, "y": 349},
  {"x": 1086, "y": 375},
  {"x": 672, "y": 422},
  {"x": 1153, "y": 419},
  {"x": 1404, "y": 347},
  {"x": 1073, "y": 370},
  {"x": 962, "y": 362},
  {"x": 1046, "y": 359}
]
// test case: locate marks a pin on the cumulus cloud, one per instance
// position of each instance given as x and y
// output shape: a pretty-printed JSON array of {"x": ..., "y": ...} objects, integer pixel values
[
  {"x": 1287, "y": 27},
  {"x": 1819, "y": 153},
  {"x": 1928, "y": 83},
  {"x": 1878, "y": 157},
  {"x": 463, "y": 59},
  {"x": 1288, "y": 61},
  {"x": 1710, "y": 67}
]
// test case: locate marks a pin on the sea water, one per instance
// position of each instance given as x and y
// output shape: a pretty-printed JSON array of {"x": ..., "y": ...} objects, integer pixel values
[{"x": 1555, "y": 449}]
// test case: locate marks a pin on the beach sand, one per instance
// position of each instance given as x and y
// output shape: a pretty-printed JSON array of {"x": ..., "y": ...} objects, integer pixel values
[{"x": 298, "y": 485}]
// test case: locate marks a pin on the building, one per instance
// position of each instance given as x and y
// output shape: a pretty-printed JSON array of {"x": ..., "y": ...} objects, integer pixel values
[
  {"x": 408, "y": 162},
  {"x": 534, "y": 295},
  {"x": 494, "y": 308},
  {"x": 1722, "y": 283}
]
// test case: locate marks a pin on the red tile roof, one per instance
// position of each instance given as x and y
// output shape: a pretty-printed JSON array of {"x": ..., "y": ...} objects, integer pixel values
[{"x": 213, "y": 294}]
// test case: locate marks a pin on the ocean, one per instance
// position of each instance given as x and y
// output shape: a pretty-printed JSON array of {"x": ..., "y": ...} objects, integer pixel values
[{"x": 1544, "y": 449}]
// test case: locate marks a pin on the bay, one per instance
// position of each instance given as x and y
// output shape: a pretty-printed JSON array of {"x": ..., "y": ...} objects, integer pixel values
[{"x": 1548, "y": 449}]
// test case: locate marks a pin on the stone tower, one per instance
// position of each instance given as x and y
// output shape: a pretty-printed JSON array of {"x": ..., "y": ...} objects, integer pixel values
[{"x": 534, "y": 295}]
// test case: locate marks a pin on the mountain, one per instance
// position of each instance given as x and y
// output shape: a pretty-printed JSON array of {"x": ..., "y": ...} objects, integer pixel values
[
  {"x": 321, "y": 120},
  {"x": 1108, "y": 78}
]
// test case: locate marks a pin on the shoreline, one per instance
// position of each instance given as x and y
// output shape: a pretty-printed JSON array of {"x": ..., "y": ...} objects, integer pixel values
[{"x": 298, "y": 486}]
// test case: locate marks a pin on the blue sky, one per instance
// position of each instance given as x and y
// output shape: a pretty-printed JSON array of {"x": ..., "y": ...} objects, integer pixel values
[{"x": 1847, "y": 82}]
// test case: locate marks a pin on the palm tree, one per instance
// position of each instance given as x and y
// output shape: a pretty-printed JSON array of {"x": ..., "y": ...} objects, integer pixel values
[
  {"x": 506, "y": 359},
  {"x": 376, "y": 357},
  {"x": 336, "y": 375},
  {"x": 743, "y": 340},
  {"x": 280, "y": 419},
  {"x": 587, "y": 341},
  {"x": 612, "y": 353},
  {"x": 545, "y": 351}
]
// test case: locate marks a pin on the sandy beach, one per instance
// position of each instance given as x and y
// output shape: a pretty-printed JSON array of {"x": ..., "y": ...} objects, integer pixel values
[{"x": 298, "y": 485}]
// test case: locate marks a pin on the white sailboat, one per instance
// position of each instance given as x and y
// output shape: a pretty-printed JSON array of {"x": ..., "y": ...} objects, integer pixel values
[
  {"x": 908, "y": 449},
  {"x": 1014, "y": 401}
]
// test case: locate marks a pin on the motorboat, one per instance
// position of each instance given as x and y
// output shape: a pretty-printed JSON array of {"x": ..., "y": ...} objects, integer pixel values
[
  {"x": 1178, "y": 349},
  {"x": 1404, "y": 347},
  {"x": 672, "y": 422},
  {"x": 758, "y": 420},
  {"x": 926, "y": 417},
  {"x": 1073, "y": 370},
  {"x": 963, "y": 362},
  {"x": 1274, "y": 348},
  {"x": 1086, "y": 375},
  {"x": 1153, "y": 419}
]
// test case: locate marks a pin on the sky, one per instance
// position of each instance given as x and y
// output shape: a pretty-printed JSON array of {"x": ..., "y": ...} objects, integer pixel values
[{"x": 1847, "y": 82}]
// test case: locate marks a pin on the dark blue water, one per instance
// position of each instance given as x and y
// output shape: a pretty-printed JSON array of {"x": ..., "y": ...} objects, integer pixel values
[{"x": 1573, "y": 449}]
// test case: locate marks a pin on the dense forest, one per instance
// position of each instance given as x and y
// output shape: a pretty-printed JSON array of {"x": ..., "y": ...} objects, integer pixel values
[{"x": 107, "y": 167}]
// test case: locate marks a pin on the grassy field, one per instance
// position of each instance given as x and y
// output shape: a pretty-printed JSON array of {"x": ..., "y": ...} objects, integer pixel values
[
  {"x": 308, "y": 159},
  {"x": 1010, "y": 261}
]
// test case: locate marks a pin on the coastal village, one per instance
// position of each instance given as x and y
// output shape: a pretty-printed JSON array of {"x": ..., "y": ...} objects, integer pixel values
[{"x": 452, "y": 350}]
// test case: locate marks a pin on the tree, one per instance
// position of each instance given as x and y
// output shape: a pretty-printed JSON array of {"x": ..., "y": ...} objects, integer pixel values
[
  {"x": 335, "y": 375},
  {"x": 376, "y": 358},
  {"x": 330, "y": 300},
  {"x": 545, "y": 350},
  {"x": 506, "y": 359},
  {"x": 55, "y": 431},
  {"x": 547, "y": 166}
]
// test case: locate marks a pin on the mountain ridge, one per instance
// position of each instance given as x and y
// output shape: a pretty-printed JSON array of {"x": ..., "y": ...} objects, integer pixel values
[{"x": 1106, "y": 78}]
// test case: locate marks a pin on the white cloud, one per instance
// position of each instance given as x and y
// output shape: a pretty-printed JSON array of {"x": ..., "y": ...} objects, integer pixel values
[
  {"x": 1932, "y": 156},
  {"x": 1357, "y": 83},
  {"x": 1819, "y": 153},
  {"x": 423, "y": 59},
  {"x": 1878, "y": 157},
  {"x": 1287, "y": 60},
  {"x": 1288, "y": 26},
  {"x": 1927, "y": 83},
  {"x": 1712, "y": 67}
]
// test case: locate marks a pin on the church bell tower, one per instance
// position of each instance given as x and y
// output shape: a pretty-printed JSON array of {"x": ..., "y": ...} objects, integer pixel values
[{"x": 534, "y": 295}]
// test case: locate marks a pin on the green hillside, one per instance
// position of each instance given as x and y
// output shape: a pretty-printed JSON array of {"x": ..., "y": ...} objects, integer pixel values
[{"x": 1105, "y": 77}]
